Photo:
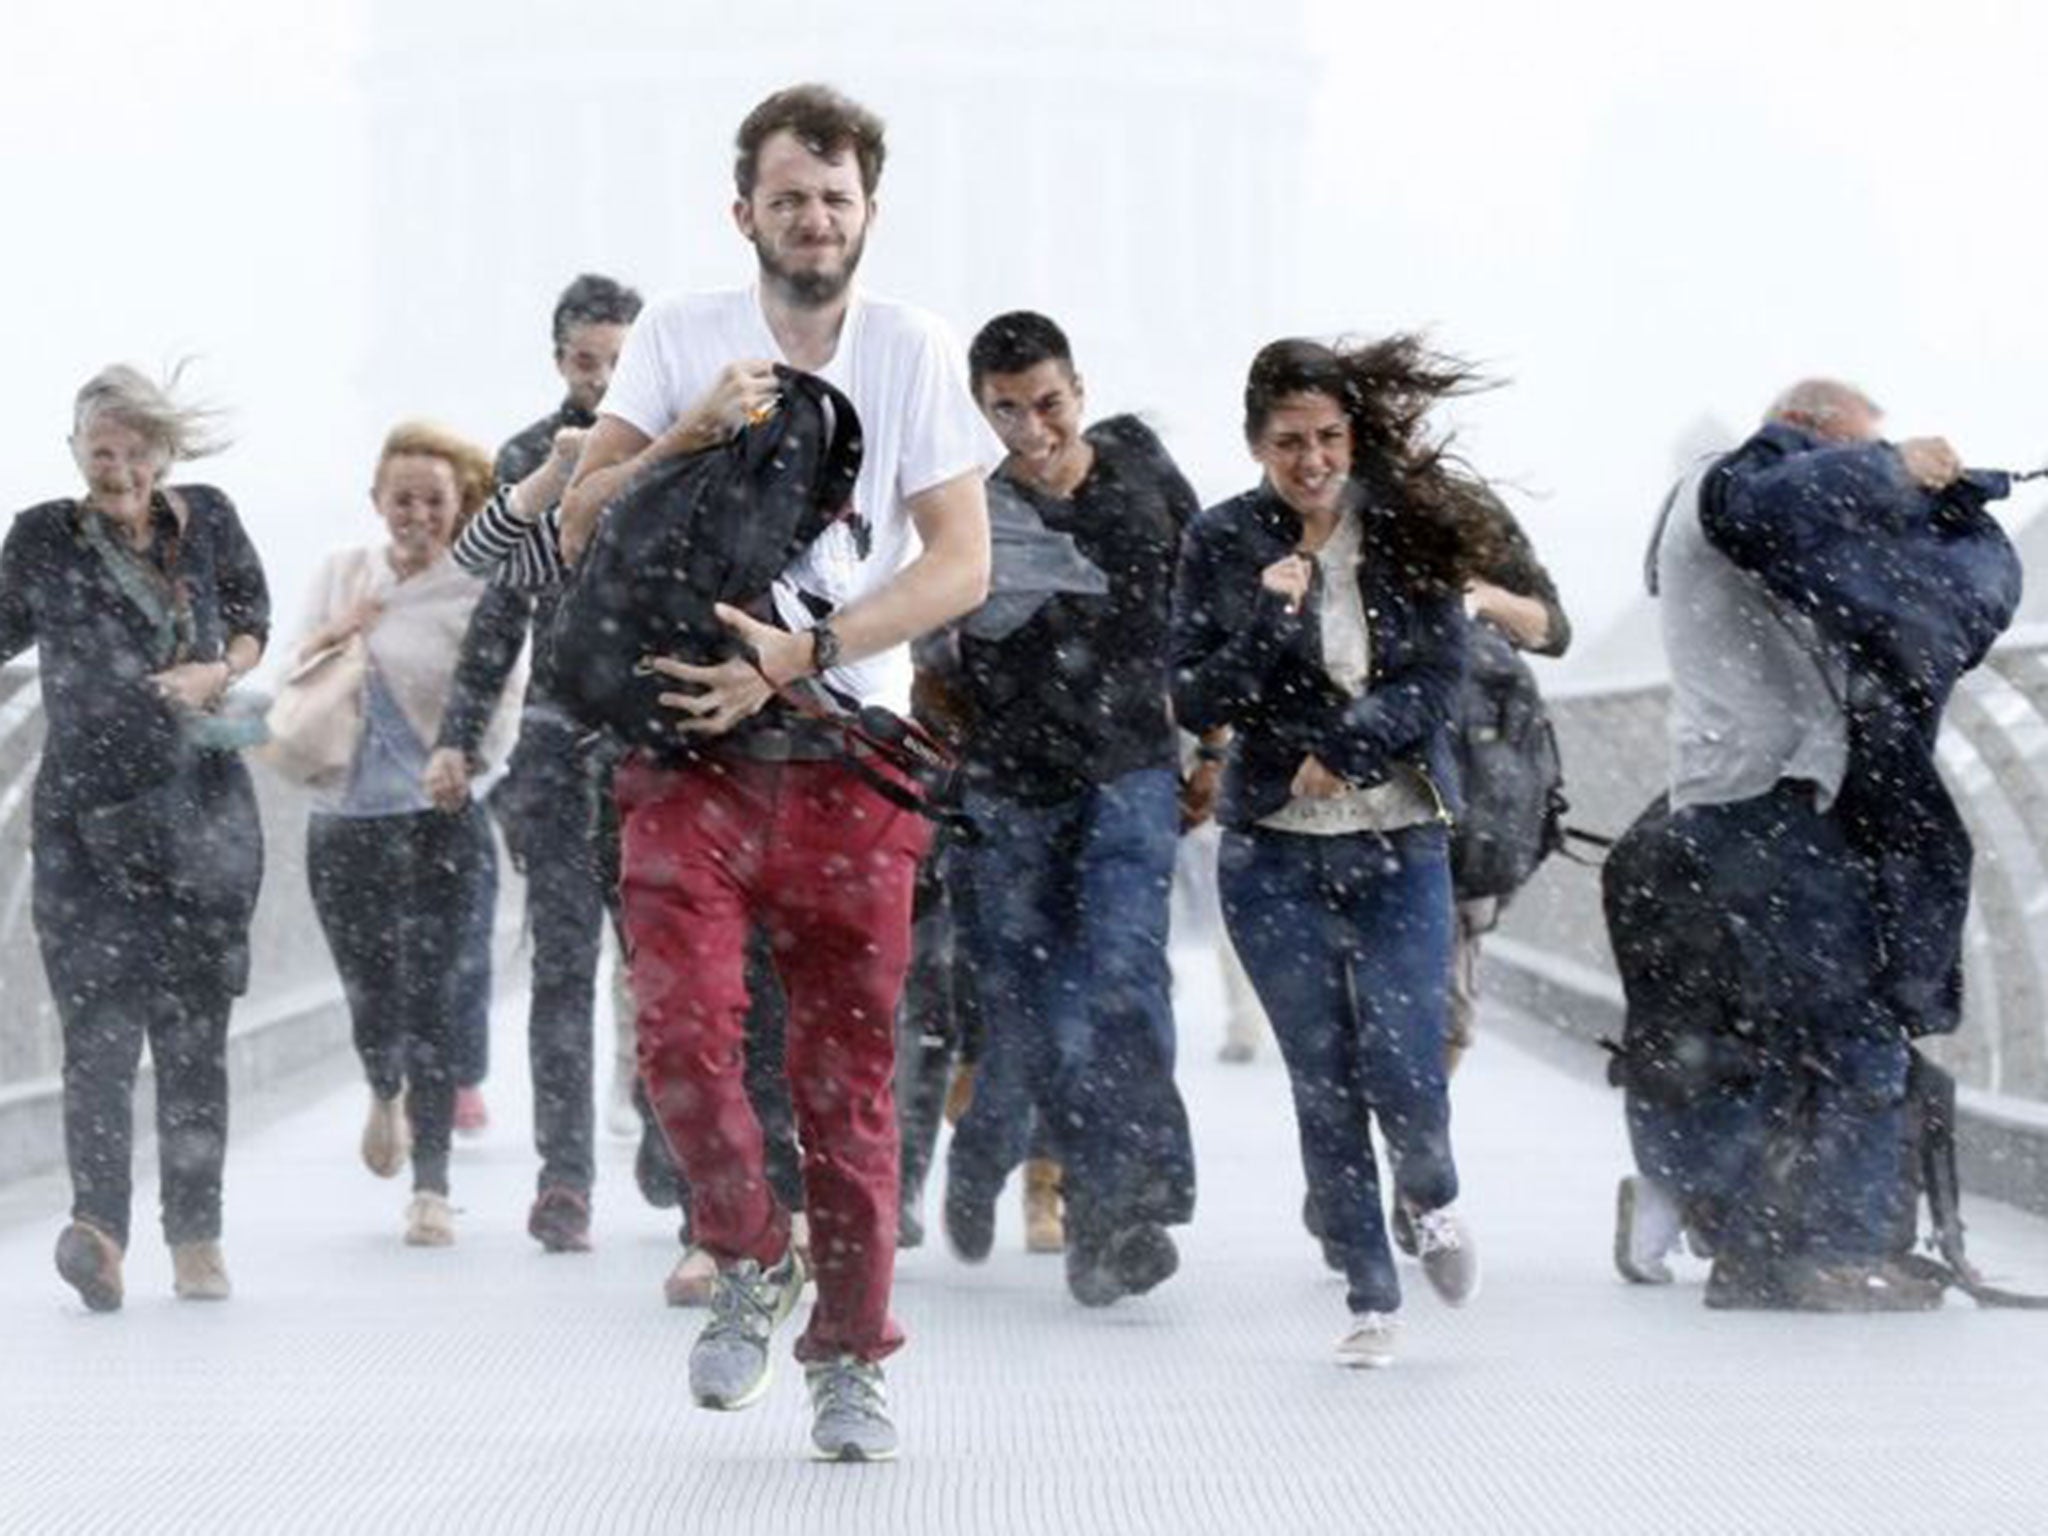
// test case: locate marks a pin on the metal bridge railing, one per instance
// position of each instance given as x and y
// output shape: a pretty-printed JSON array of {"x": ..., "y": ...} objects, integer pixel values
[{"x": 1994, "y": 754}]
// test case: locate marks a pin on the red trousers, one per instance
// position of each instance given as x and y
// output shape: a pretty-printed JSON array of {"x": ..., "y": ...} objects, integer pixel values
[{"x": 825, "y": 865}]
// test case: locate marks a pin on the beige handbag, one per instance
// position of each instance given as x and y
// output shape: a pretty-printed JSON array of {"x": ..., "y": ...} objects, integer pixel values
[{"x": 316, "y": 721}]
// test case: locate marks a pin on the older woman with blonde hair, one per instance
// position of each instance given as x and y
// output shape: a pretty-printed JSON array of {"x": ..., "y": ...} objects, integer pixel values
[
  {"x": 392, "y": 855},
  {"x": 145, "y": 602}
]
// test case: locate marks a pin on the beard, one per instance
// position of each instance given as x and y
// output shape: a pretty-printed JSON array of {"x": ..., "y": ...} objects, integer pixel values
[{"x": 810, "y": 288}]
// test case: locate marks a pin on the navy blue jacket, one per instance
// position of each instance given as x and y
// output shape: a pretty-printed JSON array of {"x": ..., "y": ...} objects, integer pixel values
[
  {"x": 1241, "y": 659},
  {"x": 1914, "y": 588}
]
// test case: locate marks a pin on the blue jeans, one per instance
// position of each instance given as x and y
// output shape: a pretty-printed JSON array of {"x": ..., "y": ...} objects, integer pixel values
[
  {"x": 1347, "y": 941},
  {"x": 1067, "y": 940}
]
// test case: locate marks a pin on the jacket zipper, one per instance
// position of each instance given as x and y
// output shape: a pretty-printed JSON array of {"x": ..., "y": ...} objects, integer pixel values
[{"x": 1443, "y": 816}]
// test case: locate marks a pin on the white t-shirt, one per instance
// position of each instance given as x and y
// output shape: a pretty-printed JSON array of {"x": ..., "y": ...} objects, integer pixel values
[{"x": 907, "y": 378}]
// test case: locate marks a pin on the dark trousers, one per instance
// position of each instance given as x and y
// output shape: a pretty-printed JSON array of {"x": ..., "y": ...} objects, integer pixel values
[
  {"x": 1791, "y": 1149},
  {"x": 549, "y": 806},
  {"x": 936, "y": 1018},
  {"x": 131, "y": 958},
  {"x": 1068, "y": 945},
  {"x": 1347, "y": 941},
  {"x": 472, "y": 1036},
  {"x": 391, "y": 893},
  {"x": 187, "y": 1030}
]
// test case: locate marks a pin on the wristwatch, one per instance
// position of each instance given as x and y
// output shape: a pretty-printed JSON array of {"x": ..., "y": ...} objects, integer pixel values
[{"x": 824, "y": 647}]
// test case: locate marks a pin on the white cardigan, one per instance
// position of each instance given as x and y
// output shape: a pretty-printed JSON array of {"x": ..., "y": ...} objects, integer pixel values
[{"x": 417, "y": 639}]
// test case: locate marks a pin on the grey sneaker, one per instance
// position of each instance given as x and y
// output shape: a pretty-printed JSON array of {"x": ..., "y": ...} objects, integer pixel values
[
  {"x": 1369, "y": 1346},
  {"x": 1449, "y": 1261},
  {"x": 729, "y": 1364},
  {"x": 850, "y": 1411}
]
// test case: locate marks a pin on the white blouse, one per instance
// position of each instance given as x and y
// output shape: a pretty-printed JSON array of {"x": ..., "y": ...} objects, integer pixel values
[{"x": 1403, "y": 799}]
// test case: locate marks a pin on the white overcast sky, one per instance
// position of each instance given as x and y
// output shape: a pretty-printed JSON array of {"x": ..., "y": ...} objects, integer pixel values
[{"x": 1644, "y": 215}]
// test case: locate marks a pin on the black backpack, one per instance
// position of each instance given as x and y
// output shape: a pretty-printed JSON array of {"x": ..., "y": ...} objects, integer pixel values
[
  {"x": 1509, "y": 768},
  {"x": 715, "y": 527}
]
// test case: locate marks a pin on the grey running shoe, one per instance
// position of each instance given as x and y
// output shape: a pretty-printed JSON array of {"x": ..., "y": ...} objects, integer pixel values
[
  {"x": 850, "y": 1411},
  {"x": 729, "y": 1364},
  {"x": 1449, "y": 1261},
  {"x": 1369, "y": 1345}
]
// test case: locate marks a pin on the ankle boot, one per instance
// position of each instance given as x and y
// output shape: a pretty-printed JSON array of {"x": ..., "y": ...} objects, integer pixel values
[
  {"x": 90, "y": 1262},
  {"x": 199, "y": 1271},
  {"x": 1044, "y": 1230}
]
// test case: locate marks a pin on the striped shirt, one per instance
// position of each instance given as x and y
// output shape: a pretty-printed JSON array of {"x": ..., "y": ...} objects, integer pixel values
[{"x": 497, "y": 546}]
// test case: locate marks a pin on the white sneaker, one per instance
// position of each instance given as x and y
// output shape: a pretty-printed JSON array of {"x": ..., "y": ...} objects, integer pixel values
[
  {"x": 1369, "y": 1346},
  {"x": 1449, "y": 1261},
  {"x": 429, "y": 1221},
  {"x": 1647, "y": 1226}
]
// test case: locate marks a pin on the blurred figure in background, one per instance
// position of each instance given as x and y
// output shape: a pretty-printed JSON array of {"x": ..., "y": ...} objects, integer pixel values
[{"x": 553, "y": 800}]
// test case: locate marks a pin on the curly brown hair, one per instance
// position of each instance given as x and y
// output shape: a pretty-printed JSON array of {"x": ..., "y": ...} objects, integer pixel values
[
  {"x": 824, "y": 122},
  {"x": 1442, "y": 533}
]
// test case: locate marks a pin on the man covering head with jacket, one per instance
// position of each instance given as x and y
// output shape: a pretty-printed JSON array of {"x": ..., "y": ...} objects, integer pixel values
[{"x": 1822, "y": 592}]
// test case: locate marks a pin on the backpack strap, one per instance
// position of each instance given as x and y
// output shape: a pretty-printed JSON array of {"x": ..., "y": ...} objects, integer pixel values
[
  {"x": 876, "y": 732},
  {"x": 1931, "y": 1101},
  {"x": 839, "y": 458}
]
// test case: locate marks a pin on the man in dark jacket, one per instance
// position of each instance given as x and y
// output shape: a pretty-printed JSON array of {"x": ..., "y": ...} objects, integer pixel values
[
  {"x": 1072, "y": 776},
  {"x": 550, "y": 800},
  {"x": 1822, "y": 594}
]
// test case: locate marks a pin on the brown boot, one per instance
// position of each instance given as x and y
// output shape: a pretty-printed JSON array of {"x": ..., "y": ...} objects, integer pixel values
[
  {"x": 960, "y": 1093},
  {"x": 1044, "y": 1230},
  {"x": 90, "y": 1262},
  {"x": 200, "y": 1273}
]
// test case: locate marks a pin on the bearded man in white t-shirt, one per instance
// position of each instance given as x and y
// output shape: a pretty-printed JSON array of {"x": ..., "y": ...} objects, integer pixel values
[{"x": 804, "y": 848}]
